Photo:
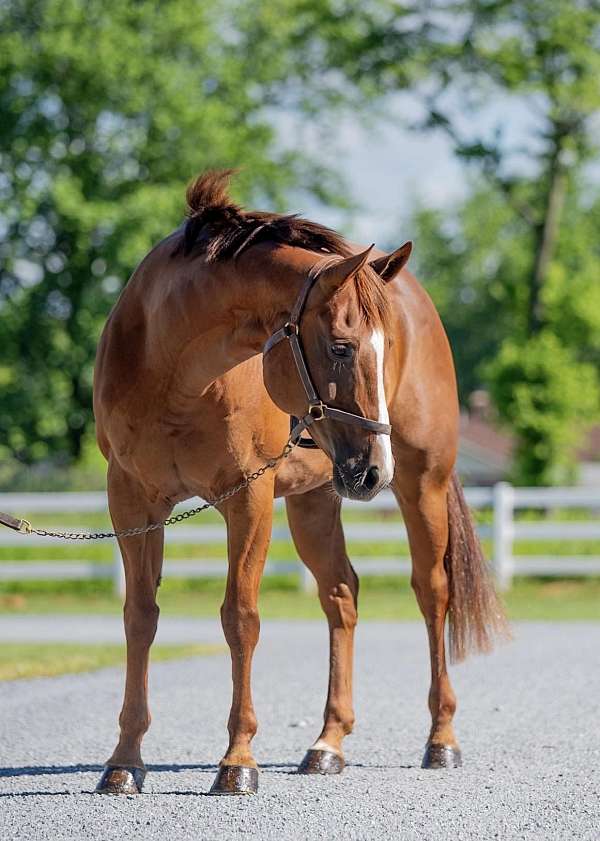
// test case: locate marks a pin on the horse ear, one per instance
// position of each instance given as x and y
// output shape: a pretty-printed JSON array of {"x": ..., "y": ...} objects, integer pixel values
[
  {"x": 389, "y": 265},
  {"x": 332, "y": 277}
]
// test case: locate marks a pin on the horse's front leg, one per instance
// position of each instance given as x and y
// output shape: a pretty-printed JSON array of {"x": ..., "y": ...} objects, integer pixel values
[
  {"x": 142, "y": 557},
  {"x": 249, "y": 517},
  {"x": 316, "y": 527}
]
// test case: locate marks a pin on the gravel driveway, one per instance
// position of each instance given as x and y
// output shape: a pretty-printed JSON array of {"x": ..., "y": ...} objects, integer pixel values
[{"x": 528, "y": 721}]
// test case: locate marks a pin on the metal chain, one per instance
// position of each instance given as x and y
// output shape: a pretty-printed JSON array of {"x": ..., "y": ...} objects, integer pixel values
[{"x": 27, "y": 528}]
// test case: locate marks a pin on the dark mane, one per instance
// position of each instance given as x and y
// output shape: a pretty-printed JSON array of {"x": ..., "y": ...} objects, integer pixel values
[{"x": 220, "y": 230}]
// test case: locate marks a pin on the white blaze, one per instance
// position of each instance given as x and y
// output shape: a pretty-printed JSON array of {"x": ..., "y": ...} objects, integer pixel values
[{"x": 383, "y": 441}]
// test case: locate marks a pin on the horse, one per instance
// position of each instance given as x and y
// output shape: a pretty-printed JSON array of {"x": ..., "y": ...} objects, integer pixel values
[{"x": 233, "y": 324}]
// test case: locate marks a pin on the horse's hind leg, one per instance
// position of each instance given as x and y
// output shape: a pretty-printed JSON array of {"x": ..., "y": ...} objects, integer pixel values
[
  {"x": 316, "y": 527},
  {"x": 424, "y": 505},
  {"x": 142, "y": 557}
]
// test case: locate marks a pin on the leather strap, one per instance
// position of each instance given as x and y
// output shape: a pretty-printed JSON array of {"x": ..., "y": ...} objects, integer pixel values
[
  {"x": 357, "y": 420},
  {"x": 10, "y": 521},
  {"x": 317, "y": 410},
  {"x": 310, "y": 390},
  {"x": 303, "y": 443}
]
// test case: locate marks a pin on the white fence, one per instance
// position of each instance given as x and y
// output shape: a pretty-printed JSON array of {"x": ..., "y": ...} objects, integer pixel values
[{"x": 503, "y": 500}]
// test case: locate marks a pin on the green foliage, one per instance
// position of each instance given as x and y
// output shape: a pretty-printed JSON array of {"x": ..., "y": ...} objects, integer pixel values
[
  {"x": 381, "y": 598},
  {"x": 472, "y": 265},
  {"x": 546, "y": 396},
  {"x": 505, "y": 270},
  {"x": 27, "y": 660},
  {"x": 524, "y": 259},
  {"x": 107, "y": 109},
  {"x": 545, "y": 386}
]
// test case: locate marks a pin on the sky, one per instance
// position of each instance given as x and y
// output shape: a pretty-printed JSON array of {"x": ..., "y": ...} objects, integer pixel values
[
  {"x": 388, "y": 173},
  {"x": 389, "y": 168}
]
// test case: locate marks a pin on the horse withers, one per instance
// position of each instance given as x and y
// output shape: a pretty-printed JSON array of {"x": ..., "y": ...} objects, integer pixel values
[{"x": 232, "y": 324}]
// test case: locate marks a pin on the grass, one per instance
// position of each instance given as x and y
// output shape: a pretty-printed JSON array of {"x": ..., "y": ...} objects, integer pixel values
[
  {"x": 102, "y": 553},
  {"x": 383, "y": 598},
  {"x": 20, "y": 660}
]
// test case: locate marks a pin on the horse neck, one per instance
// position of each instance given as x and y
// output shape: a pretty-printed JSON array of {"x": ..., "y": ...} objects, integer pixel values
[{"x": 249, "y": 300}]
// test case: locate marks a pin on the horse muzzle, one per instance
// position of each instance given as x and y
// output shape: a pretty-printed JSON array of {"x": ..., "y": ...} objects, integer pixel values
[{"x": 360, "y": 482}]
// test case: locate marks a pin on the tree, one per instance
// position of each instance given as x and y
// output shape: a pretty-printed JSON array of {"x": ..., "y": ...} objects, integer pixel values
[
  {"x": 107, "y": 109},
  {"x": 547, "y": 385},
  {"x": 547, "y": 395},
  {"x": 459, "y": 56}
]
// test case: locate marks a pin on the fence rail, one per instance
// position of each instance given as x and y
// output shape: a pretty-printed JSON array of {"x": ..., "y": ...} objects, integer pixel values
[{"x": 502, "y": 500}]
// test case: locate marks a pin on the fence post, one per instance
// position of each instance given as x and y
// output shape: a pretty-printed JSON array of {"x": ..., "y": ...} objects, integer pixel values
[
  {"x": 118, "y": 575},
  {"x": 503, "y": 534}
]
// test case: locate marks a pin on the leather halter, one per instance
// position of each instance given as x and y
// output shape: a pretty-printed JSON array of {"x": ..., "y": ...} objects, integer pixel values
[{"x": 317, "y": 410}]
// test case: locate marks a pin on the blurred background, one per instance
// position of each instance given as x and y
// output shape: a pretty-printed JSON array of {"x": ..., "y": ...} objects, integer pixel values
[{"x": 468, "y": 126}]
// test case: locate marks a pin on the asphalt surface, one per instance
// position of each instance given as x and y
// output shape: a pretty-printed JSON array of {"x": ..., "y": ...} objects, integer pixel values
[
  {"x": 95, "y": 629},
  {"x": 528, "y": 722}
]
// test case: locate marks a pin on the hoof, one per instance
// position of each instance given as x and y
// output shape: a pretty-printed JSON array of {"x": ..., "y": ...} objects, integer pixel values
[
  {"x": 441, "y": 756},
  {"x": 235, "y": 779},
  {"x": 121, "y": 781},
  {"x": 321, "y": 762}
]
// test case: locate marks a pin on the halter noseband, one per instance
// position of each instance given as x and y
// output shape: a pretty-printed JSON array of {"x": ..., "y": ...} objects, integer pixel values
[{"x": 317, "y": 410}]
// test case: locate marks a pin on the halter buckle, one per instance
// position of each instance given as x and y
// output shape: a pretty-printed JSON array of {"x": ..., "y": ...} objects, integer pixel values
[
  {"x": 290, "y": 329},
  {"x": 316, "y": 410}
]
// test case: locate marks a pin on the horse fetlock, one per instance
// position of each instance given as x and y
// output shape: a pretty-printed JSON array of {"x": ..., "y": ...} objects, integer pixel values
[
  {"x": 133, "y": 728},
  {"x": 442, "y": 733},
  {"x": 338, "y": 721},
  {"x": 240, "y": 755},
  {"x": 342, "y": 724},
  {"x": 242, "y": 729},
  {"x": 442, "y": 704},
  {"x": 239, "y": 751}
]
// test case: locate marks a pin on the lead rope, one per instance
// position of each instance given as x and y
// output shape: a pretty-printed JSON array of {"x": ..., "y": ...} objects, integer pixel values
[{"x": 25, "y": 527}]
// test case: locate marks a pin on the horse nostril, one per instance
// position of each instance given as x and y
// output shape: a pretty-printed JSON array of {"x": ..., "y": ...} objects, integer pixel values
[{"x": 371, "y": 478}]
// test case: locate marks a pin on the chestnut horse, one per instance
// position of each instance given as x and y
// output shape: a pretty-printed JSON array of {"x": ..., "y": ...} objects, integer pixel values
[{"x": 187, "y": 403}]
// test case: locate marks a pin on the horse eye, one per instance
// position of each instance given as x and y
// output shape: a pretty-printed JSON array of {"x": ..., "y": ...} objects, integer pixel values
[{"x": 342, "y": 351}]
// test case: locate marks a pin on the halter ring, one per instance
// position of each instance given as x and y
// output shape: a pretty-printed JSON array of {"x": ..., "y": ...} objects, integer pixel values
[{"x": 316, "y": 411}]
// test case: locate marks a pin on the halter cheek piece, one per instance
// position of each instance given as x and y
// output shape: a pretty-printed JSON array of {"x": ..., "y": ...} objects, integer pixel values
[{"x": 317, "y": 410}]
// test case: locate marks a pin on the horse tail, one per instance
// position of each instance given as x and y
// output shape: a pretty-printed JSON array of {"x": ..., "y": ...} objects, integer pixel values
[{"x": 476, "y": 614}]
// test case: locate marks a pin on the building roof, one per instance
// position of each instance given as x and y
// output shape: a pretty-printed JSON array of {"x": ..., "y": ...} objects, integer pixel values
[{"x": 485, "y": 452}]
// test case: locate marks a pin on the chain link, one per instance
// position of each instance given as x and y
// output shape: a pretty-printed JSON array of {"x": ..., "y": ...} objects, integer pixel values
[{"x": 176, "y": 518}]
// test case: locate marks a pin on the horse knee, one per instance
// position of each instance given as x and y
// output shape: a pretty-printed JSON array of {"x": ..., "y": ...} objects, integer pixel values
[
  {"x": 241, "y": 625},
  {"x": 141, "y": 621}
]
